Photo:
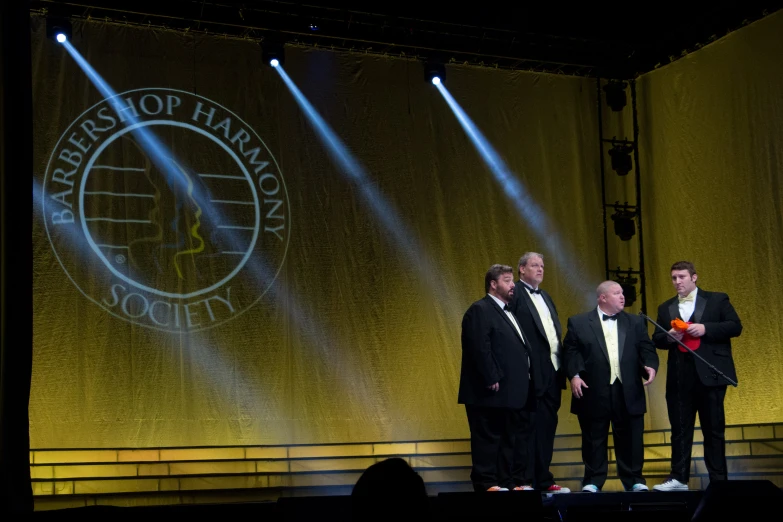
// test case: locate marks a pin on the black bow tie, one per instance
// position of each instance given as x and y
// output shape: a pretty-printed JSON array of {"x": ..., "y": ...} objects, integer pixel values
[
  {"x": 506, "y": 308},
  {"x": 533, "y": 291},
  {"x": 610, "y": 317}
]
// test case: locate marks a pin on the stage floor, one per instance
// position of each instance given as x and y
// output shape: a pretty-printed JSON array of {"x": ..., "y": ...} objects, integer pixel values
[{"x": 606, "y": 507}]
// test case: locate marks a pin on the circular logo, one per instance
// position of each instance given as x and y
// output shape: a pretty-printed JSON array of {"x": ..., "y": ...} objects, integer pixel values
[{"x": 166, "y": 209}]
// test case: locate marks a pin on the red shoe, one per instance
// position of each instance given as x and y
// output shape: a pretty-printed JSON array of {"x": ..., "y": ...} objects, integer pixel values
[
  {"x": 554, "y": 488},
  {"x": 523, "y": 488}
]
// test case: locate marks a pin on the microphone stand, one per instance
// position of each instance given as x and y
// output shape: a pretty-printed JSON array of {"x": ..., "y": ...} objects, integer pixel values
[{"x": 711, "y": 367}]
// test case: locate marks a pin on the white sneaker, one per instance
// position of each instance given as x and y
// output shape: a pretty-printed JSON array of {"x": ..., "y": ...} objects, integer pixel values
[
  {"x": 671, "y": 485},
  {"x": 640, "y": 487},
  {"x": 590, "y": 488}
]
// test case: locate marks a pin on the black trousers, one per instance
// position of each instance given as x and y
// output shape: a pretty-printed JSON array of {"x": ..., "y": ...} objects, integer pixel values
[
  {"x": 628, "y": 433},
  {"x": 491, "y": 445},
  {"x": 535, "y": 440},
  {"x": 686, "y": 396}
]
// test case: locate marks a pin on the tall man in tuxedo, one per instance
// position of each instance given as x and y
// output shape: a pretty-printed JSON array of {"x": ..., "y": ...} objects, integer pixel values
[
  {"x": 608, "y": 353},
  {"x": 537, "y": 315},
  {"x": 690, "y": 385},
  {"x": 494, "y": 381}
]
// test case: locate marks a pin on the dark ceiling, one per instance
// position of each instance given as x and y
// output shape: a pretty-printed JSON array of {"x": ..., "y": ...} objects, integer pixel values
[{"x": 609, "y": 39}]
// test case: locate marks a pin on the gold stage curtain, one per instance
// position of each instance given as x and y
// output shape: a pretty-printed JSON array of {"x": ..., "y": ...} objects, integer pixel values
[
  {"x": 343, "y": 322},
  {"x": 712, "y": 169},
  {"x": 357, "y": 338}
]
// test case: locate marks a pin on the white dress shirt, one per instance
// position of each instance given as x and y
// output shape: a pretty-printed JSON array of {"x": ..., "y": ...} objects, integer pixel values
[
  {"x": 687, "y": 307},
  {"x": 549, "y": 326},
  {"x": 610, "y": 336}
]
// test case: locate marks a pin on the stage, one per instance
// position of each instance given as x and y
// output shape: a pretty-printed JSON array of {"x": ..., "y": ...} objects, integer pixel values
[
  {"x": 736, "y": 498},
  {"x": 248, "y": 251}
]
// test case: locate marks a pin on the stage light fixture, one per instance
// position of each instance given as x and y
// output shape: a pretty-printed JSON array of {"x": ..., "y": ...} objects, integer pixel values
[
  {"x": 622, "y": 163},
  {"x": 273, "y": 52},
  {"x": 628, "y": 284},
  {"x": 434, "y": 72},
  {"x": 58, "y": 29},
  {"x": 624, "y": 224},
  {"x": 615, "y": 95}
]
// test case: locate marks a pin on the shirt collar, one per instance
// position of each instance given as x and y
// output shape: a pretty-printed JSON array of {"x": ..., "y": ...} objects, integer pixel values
[
  {"x": 500, "y": 303},
  {"x": 601, "y": 313}
]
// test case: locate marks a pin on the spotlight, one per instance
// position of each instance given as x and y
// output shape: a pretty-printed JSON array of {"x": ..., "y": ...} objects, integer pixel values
[
  {"x": 314, "y": 27},
  {"x": 58, "y": 29},
  {"x": 628, "y": 285},
  {"x": 621, "y": 158},
  {"x": 624, "y": 225},
  {"x": 273, "y": 52},
  {"x": 615, "y": 95},
  {"x": 435, "y": 72}
]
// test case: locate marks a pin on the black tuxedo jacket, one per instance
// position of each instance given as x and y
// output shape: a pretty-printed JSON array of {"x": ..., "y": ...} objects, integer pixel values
[
  {"x": 721, "y": 323},
  {"x": 527, "y": 315},
  {"x": 492, "y": 351},
  {"x": 587, "y": 355}
]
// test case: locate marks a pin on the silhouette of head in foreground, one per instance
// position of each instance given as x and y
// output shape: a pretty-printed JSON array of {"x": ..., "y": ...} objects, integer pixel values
[{"x": 389, "y": 489}]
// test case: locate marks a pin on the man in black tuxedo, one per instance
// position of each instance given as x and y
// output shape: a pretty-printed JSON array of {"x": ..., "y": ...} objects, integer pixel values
[
  {"x": 537, "y": 315},
  {"x": 690, "y": 385},
  {"x": 495, "y": 380},
  {"x": 607, "y": 354}
]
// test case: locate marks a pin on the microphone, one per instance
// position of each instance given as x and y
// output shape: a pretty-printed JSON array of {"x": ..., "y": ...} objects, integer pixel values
[{"x": 711, "y": 366}]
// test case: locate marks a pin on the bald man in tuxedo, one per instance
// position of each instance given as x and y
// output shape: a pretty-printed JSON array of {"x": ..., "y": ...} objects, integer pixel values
[{"x": 610, "y": 359}]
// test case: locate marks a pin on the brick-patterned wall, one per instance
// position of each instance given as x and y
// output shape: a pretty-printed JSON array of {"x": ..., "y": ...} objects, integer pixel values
[{"x": 69, "y": 478}]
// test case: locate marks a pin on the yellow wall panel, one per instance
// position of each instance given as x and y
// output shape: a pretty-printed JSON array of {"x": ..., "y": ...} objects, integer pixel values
[
  {"x": 435, "y": 461},
  {"x": 153, "y": 469},
  {"x": 332, "y": 464},
  {"x": 139, "y": 455},
  {"x": 95, "y": 471},
  {"x": 41, "y": 472},
  {"x": 758, "y": 432},
  {"x": 272, "y": 466},
  {"x": 92, "y": 487},
  {"x": 767, "y": 448},
  {"x": 568, "y": 441},
  {"x": 266, "y": 453},
  {"x": 211, "y": 468},
  {"x": 460, "y": 446},
  {"x": 342, "y": 450},
  {"x": 301, "y": 480},
  {"x": 194, "y": 483},
  {"x": 394, "y": 449},
  {"x": 75, "y": 456},
  {"x": 202, "y": 454}
]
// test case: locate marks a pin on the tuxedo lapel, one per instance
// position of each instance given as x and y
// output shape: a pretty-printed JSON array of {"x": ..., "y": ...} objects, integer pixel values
[
  {"x": 698, "y": 310},
  {"x": 595, "y": 325},
  {"x": 555, "y": 320},
  {"x": 674, "y": 311},
  {"x": 534, "y": 312},
  {"x": 507, "y": 320},
  {"x": 622, "y": 329}
]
